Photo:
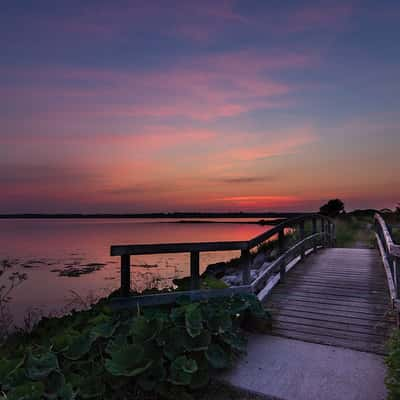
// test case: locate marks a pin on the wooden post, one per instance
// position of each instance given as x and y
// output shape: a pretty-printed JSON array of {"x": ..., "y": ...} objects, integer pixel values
[
  {"x": 125, "y": 275},
  {"x": 314, "y": 231},
  {"x": 302, "y": 236},
  {"x": 323, "y": 232},
  {"x": 195, "y": 270},
  {"x": 333, "y": 233},
  {"x": 246, "y": 261},
  {"x": 281, "y": 242},
  {"x": 282, "y": 271}
]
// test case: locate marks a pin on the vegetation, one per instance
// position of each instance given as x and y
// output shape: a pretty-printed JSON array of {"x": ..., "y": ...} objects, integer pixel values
[
  {"x": 393, "y": 367},
  {"x": 332, "y": 208},
  {"x": 167, "y": 352},
  {"x": 10, "y": 279},
  {"x": 352, "y": 231}
]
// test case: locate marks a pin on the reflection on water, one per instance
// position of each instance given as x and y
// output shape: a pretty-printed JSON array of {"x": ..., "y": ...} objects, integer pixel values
[{"x": 61, "y": 256}]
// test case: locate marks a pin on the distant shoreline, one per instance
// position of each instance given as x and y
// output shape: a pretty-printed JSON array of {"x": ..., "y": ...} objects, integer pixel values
[{"x": 178, "y": 215}]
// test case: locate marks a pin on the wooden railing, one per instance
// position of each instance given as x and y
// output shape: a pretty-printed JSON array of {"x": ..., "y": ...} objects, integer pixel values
[
  {"x": 322, "y": 234},
  {"x": 390, "y": 253}
]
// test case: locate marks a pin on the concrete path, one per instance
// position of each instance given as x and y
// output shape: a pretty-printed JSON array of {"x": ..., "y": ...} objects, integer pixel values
[{"x": 288, "y": 369}]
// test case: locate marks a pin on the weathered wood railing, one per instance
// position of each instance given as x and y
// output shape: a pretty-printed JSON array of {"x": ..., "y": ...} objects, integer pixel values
[
  {"x": 390, "y": 253},
  {"x": 322, "y": 234}
]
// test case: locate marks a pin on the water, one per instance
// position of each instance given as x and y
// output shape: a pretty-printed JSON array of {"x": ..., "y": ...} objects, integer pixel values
[{"x": 45, "y": 248}]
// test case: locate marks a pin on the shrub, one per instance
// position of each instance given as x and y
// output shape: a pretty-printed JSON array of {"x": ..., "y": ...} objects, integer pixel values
[
  {"x": 392, "y": 361},
  {"x": 332, "y": 208},
  {"x": 167, "y": 351}
]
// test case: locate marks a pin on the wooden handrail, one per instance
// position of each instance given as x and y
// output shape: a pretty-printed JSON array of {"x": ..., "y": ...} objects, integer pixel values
[
  {"x": 325, "y": 236},
  {"x": 393, "y": 248},
  {"x": 390, "y": 253}
]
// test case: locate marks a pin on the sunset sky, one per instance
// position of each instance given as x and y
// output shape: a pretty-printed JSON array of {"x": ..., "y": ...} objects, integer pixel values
[{"x": 220, "y": 105}]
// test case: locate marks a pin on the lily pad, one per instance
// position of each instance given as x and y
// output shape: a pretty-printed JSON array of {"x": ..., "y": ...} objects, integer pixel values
[
  {"x": 182, "y": 370},
  {"x": 128, "y": 361},
  {"x": 27, "y": 391},
  {"x": 39, "y": 367},
  {"x": 144, "y": 330},
  {"x": 218, "y": 357},
  {"x": 79, "y": 347},
  {"x": 193, "y": 320}
]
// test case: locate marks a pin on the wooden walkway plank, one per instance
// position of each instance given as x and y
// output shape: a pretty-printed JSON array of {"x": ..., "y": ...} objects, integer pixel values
[{"x": 337, "y": 297}]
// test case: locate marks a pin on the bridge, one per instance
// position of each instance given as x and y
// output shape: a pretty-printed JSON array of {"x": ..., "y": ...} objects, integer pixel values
[{"x": 319, "y": 295}]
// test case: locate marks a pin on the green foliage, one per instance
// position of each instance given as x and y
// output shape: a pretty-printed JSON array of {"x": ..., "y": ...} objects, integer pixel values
[
  {"x": 332, "y": 208},
  {"x": 168, "y": 351},
  {"x": 392, "y": 361}
]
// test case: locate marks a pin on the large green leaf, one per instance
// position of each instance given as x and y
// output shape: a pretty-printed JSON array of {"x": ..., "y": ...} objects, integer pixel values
[
  {"x": 79, "y": 347},
  {"x": 54, "y": 383},
  {"x": 154, "y": 375},
  {"x": 200, "y": 379},
  {"x": 92, "y": 387},
  {"x": 27, "y": 391},
  {"x": 218, "y": 357},
  {"x": 104, "y": 329},
  {"x": 182, "y": 370},
  {"x": 115, "y": 344},
  {"x": 9, "y": 367},
  {"x": 173, "y": 342},
  {"x": 193, "y": 320},
  {"x": 128, "y": 361},
  {"x": 198, "y": 343},
  {"x": 39, "y": 367},
  {"x": 144, "y": 330},
  {"x": 66, "y": 392},
  {"x": 235, "y": 340}
]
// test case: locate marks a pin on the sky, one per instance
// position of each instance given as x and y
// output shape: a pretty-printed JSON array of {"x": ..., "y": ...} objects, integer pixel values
[{"x": 212, "y": 105}]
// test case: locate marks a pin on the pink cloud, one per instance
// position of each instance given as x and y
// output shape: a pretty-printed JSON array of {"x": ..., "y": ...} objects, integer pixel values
[
  {"x": 325, "y": 15},
  {"x": 201, "y": 88}
]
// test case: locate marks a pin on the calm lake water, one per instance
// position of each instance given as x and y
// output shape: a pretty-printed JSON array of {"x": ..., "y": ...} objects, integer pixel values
[{"x": 50, "y": 251}]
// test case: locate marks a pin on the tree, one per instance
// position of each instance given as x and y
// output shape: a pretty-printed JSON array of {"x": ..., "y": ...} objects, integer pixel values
[
  {"x": 332, "y": 208},
  {"x": 398, "y": 208}
]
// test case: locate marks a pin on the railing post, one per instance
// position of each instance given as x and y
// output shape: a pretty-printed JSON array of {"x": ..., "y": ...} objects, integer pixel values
[
  {"x": 323, "y": 232},
  {"x": 282, "y": 271},
  {"x": 281, "y": 242},
  {"x": 302, "y": 236},
  {"x": 125, "y": 275},
  {"x": 246, "y": 261},
  {"x": 314, "y": 231},
  {"x": 195, "y": 270},
  {"x": 333, "y": 234},
  {"x": 396, "y": 275}
]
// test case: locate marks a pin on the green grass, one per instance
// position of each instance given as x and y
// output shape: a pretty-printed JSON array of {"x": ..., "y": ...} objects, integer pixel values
[
  {"x": 396, "y": 235},
  {"x": 392, "y": 361},
  {"x": 354, "y": 232}
]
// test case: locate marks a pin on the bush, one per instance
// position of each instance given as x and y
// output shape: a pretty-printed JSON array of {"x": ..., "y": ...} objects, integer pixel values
[
  {"x": 392, "y": 361},
  {"x": 332, "y": 208},
  {"x": 166, "y": 351}
]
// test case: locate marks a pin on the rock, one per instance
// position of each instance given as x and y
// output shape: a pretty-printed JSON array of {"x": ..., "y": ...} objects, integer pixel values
[
  {"x": 233, "y": 280},
  {"x": 218, "y": 269},
  {"x": 258, "y": 260}
]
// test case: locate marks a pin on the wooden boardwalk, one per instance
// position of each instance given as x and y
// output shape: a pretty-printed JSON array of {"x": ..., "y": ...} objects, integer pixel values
[{"x": 337, "y": 297}]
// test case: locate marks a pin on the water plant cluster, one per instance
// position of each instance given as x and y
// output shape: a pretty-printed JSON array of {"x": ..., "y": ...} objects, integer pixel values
[{"x": 166, "y": 352}]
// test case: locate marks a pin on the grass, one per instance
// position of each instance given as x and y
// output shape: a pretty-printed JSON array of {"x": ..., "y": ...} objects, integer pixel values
[
  {"x": 355, "y": 232},
  {"x": 396, "y": 235}
]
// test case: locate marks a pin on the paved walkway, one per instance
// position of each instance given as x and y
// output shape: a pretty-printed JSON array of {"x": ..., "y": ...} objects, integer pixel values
[{"x": 288, "y": 369}]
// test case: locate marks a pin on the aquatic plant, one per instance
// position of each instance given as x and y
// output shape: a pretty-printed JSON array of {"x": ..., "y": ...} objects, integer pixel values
[
  {"x": 169, "y": 351},
  {"x": 9, "y": 280}
]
